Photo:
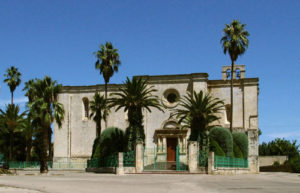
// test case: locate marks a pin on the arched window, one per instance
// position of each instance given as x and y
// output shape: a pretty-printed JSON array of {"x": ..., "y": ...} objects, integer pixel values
[
  {"x": 228, "y": 74},
  {"x": 86, "y": 107},
  {"x": 238, "y": 73}
]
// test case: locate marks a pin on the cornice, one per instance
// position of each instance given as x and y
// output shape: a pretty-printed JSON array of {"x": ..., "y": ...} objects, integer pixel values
[{"x": 239, "y": 82}]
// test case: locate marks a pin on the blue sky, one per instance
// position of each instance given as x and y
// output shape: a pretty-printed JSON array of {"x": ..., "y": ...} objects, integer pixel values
[{"x": 58, "y": 38}]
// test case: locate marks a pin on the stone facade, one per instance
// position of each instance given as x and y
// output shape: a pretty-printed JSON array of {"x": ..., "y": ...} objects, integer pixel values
[{"x": 74, "y": 140}]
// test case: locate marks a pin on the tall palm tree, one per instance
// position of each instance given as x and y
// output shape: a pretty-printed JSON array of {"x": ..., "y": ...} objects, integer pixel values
[
  {"x": 46, "y": 110},
  {"x": 197, "y": 111},
  {"x": 97, "y": 106},
  {"x": 12, "y": 122},
  {"x": 108, "y": 62},
  {"x": 135, "y": 96},
  {"x": 29, "y": 126},
  {"x": 234, "y": 42},
  {"x": 13, "y": 80}
]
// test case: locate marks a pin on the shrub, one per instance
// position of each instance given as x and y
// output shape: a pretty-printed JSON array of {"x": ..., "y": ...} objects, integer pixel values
[
  {"x": 241, "y": 140},
  {"x": 276, "y": 163},
  {"x": 96, "y": 147},
  {"x": 224, "y": 138},
  {"x": 295, "y": 163},
  {"x": 214, "y": 146},
  {"x": 237, "y": 153},
  {"x": 111, "y": 141}
]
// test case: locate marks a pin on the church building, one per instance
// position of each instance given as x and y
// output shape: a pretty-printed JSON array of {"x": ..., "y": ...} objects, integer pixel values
[{"x": 74, "y": 140}]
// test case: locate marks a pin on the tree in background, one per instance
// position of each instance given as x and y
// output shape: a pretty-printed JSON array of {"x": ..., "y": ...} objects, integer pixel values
[
  {"x": 12, "y": 121},
  {"x": 13, "y": 80},
  {"x": 135, "y": 96},
  {"x": 197, "y": 111},
  {"x": 108, "y": 61},
  {"x": 280, "y": 147},
  {"x": 45, "y": 110},
  {"x": 234, "y": 42}
]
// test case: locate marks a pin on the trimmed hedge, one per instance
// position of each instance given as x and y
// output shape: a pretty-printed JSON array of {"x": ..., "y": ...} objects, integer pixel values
[
  {"x": 237, "y": 153},
  {"x": 241, "y": 140},
  {"x": 224, "y": 139},
  {"x": 111, "y": 141},
  {"x": 214, "y": 146}
]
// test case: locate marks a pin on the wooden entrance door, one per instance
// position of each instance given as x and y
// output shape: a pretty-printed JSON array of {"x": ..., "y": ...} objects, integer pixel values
[{"x": 171, "y": 149}]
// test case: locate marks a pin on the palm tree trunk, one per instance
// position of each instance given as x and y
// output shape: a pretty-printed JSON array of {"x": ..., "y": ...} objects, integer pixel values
[
  {"x": 105, "y": 110},
  {"x": 28, "y": 149},
  {"x": 231, "y": 97},
  {"x": 43, "y": 164},
  {"x": 11, "y": 144},
  {"x": 49, "y": 142},
  {"x": 12, "y": 97}
]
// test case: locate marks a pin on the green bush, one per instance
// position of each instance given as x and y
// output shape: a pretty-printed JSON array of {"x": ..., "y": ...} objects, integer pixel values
[
  {"x": 224, "y": 138},
  {"x": 214, "y": 146},
  {"x": 276, "y": 163},
  {"x": 96, "y": 147},
  {"x": 112, "y": 140},
  {"x": 295, "y": 163},
  {"x": 241, "y": 140},
  {"x": 237, "y": 153}
]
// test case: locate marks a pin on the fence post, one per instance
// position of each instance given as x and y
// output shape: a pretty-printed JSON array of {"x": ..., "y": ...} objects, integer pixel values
[
  {"x": 193, "y": 156},
  {"x": 139, "y": 157},
  {"x": 253, "y": 162},
  {"x": 211, "y": 162},
  {"x": 120, "y": 168}
]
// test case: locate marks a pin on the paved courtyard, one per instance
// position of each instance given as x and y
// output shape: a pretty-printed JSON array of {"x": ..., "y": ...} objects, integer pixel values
[{"x": 80, "y": 182}]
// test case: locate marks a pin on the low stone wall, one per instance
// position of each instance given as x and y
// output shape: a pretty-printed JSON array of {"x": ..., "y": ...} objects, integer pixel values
[
  {"x": 231, "y": 171},
  {"x": 269, "y": 160},
  {"x": 102, "y": 170}
]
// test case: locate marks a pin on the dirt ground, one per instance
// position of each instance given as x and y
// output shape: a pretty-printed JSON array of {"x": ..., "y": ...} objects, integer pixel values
[{"x": 81, "y": 182}]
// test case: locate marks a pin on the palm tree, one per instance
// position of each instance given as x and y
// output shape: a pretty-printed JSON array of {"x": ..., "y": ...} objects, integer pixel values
[
  {"x": 46, "y": 110},
  {"x": 107, "y": 62},
  {"x": 197, "y": 111},
  {"x": 135, "y": 96},
  {"x": 13, "y": 80},
  {"x": 97, "y": 106},
  {"x": 234, "y": 42},
  {"x": 12, "y": 122}
]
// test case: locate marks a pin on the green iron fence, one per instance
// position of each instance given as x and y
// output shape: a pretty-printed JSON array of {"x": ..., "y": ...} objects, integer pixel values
[
  {"x": 230, "y": 162},
  {"x": 69, "y": 165},
  {"x": 180, "y": 165},
  {"x": 93, "y": 163},
  {"x": 24, "y": 164},
  {"x": 154, "y": 160},
  {"x": 129, "y": 159},
  {"x": 202, "y": 158},
  {"x": 1, "y": 157},
  {"x": 108, "y": 161}
]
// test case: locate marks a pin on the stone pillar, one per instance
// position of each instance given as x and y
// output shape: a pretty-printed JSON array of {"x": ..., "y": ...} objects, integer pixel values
[
  {"x": 193, "y": 156},
  {"x": 139, "y": 157},
  {"x": 211, "y": 162},
  {"x": 184, "y": 144},
  {"x": 159, "y": 145},
  {"x": 120, "y": 168},
  {"x": 164, "y": 144},
  {"x": 253, "y": 162}
]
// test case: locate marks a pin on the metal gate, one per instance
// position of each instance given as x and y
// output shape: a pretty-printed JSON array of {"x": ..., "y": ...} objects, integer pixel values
[{"x": 156, "y": 160}]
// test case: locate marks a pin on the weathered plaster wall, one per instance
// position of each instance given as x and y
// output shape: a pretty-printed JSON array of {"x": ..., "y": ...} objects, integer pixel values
[
  {"x": 75, "y": 138},
  {"x": 269, "y": 160}
]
